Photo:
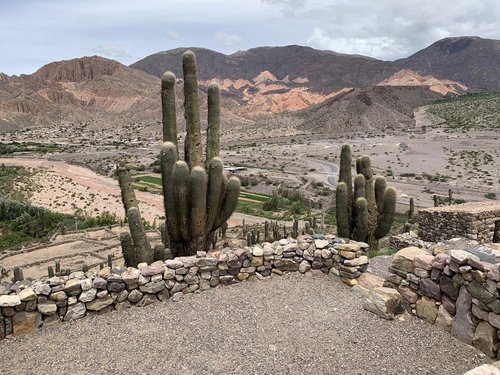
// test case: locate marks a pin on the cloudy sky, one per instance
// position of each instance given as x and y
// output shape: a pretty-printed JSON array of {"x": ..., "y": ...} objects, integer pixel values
[{"x": 36, "y": 32}]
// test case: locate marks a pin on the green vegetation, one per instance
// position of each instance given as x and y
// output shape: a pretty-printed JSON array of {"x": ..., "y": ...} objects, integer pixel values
[
  {"x": 32, "y": 147},
  {"x": 490, "y": 195},
  {"x": 480, "y": 110},
  {"x": 9, "y": 176}
]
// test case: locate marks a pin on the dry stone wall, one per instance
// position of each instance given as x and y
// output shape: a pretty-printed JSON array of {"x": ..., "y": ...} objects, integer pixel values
[
  {"x": 474, "y": 220},
  {"x": 455, "y": 291},
  {"x": 26, "y": 306}
]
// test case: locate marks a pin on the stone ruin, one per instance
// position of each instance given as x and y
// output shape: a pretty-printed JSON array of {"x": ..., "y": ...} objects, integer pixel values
[{"x": 478, "y": 221}]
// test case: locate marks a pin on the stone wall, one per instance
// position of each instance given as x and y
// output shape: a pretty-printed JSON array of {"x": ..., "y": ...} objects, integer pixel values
[
  {"x": 27, "y": 305},
  {"x": 456, "y": 291},
  {"x": 473, "y": 220}
]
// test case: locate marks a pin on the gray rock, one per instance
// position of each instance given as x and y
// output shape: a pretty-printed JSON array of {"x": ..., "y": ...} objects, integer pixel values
[
  {"x": 76, "y": 311},
  {"x": 147, "y": 299},
  {"x": 486, "y": 339},
  {"x": 463, "y": 327},
  {"x": 430, "y": 289},
  {"x": 88, "y": 295},
  {"x": 426, "y": 309},
  {"x": 99, "y": 304},
  {"x": 47, "y": 308},
  {"x": 152, "y": 288},
  {"x": 134, "y": 296},
  {"x": 385, "y": 302}
]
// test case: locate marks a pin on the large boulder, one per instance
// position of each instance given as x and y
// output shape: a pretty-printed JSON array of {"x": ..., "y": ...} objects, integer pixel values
[
  {"x": 385, "y": 302},
  {"x": 403, "y": 259}
]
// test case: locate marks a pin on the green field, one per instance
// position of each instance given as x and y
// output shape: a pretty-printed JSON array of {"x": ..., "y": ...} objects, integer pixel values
[{"x": 481, "y": 110}]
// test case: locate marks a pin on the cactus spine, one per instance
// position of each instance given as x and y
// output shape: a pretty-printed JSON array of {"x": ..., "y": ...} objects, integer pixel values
[
  {"x": 368, "y": 216},
  {"x": 198, "y": 197}
]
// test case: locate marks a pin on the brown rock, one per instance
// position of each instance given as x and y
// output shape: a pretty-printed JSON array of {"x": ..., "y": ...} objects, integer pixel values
[
  {"x": 403, "y": 259},
  {"x": 26, "y": 322},
  {"x": 427, "y": 309}
]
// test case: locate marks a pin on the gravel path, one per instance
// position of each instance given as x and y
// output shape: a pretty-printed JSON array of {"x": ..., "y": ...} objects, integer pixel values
[{"x": 287, "y": 325}]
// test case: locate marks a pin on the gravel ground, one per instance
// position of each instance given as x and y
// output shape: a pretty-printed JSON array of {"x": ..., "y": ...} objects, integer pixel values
[{"x": 287, "y": 325}]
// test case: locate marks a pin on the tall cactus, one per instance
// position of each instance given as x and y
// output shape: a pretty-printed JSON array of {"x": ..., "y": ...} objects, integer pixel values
[
  {"x": 198, "y": 197},
  {"x": 367, "y": 212}
]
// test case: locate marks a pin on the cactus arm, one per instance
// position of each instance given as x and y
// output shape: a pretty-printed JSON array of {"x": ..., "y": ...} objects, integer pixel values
[
  {"x": 215, "y": 178},
  {"x": 168, "y": 157},
  {"x": 387, "y": 217},
  {"x": 346, "y": 176},
  {"x": 181, "y": 197},
  {"x": 230, "y": 201},
  {"x": 342, "y": 214},
  {"x": 192, "y": 145},
  {"x": 127, "y": 191},
  {"x": 360, "y": 219},
  {"x": 213, "y": 139},
  {"x": 198, "y": 199},
  {"x": 141, "y": 243},
  {"x": 129, "y": 254},
  {"x": 168, "y": 108},
  {"x": 380, "y": 187},
  {"x": 359, "y": 187}
]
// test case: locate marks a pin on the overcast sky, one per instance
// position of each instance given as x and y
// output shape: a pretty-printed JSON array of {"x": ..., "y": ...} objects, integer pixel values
[{"x": 36, "y": 32}]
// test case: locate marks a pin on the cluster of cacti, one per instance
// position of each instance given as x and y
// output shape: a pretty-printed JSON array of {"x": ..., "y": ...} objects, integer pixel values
[
  {"x": 198, "y": 197},
  {"x": 58, "y": 271},
  {"x": 366, "y": 212}
]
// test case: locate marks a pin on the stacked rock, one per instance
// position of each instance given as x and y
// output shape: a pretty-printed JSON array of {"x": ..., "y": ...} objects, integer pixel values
[
  {"x": 26, "y": 305},
  {"x": 456, "y": 291}
]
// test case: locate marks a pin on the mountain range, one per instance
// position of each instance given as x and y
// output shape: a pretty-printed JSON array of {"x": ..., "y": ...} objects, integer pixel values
[{"x": 312, "y": 83}]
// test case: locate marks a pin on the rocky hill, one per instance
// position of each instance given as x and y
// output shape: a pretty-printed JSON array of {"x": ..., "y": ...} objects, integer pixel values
[
  {"x": 376, "y": 108},
  {"x": 297, "y": 64},
  {"x": 89, "y": 89},
  {"x": 470, "y": 60}
]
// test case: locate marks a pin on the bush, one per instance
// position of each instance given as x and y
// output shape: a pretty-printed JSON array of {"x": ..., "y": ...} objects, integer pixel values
[{"x": 490, "y": 196}]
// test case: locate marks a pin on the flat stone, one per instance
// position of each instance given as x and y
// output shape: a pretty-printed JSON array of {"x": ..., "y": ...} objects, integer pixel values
[
  {"x": 403, "y": 259},
  {"x": 463, "y": 327},
  {"x": 460, "y": 257},
  {"x": 100, "y": 303},
  {"x": 430, "y": 289},
  {"x": 439, "y": 261},
  {"x": 357, "y": 261},
  {"x": 477, "y": 291},
  {"x": 486, "y": 339},
  {"x": 152, "y": 270},
  {"x": 174, "y": 263},
  {"x": 286, "y": 265},
  {"x": 152, "y": 287},
  {"x": 426, "y": 309},
  {"x": 27, "y": 294},
  {"x": 131, "y": 276},
  {"x": 370, "y": 281},
  {"x": 385, "y": 302},
  {"x": 321, "y": 244},
  {"x": 26, "y": 322},
  {"x": 10, "y": 300},
  {"x": 86, "y": 284},
  {"x": 47, "y": 308},
  {"x": 74, "y": 312},
  {"x": 423, "y": 261},
  {"x": 352, "y": 247},
  {"x": 347, "y": 254},
  {"x": 408, "y": 294}
]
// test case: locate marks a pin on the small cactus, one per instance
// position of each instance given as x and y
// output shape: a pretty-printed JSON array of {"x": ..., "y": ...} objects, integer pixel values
[
  {"x": 58, "y": 267},
  {"x": 85, "y": 267},
  {"x": 50, "y": 271},
  {"x": 18, "y": 274},
  {"x": 370, "y": 215},
  {"x": 110, "y": 260}
]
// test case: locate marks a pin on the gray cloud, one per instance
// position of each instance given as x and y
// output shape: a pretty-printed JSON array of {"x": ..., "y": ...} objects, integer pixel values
[
  {"x": 33, "y": 33},
  {"x": 114, "y": 51},
  {"x": 226, "y": 40}
]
